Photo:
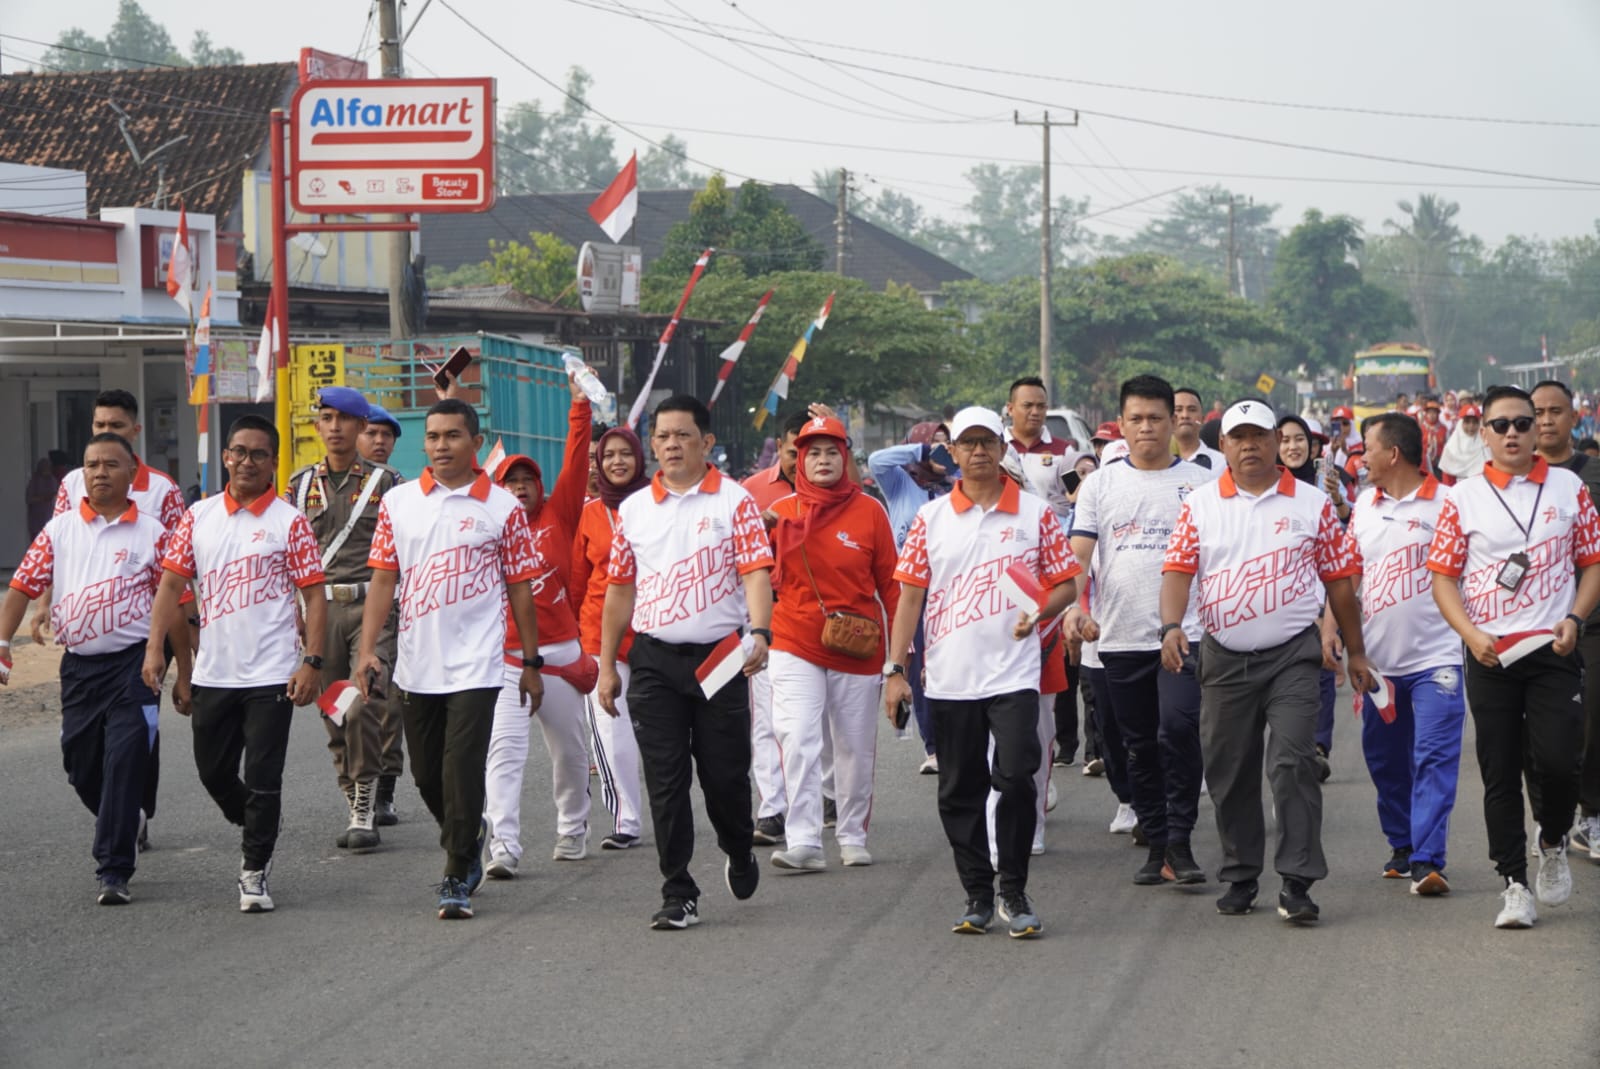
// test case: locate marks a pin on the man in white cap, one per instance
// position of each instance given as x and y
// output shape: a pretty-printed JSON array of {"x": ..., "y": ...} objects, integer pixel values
[
  {"x": 983, "y": 661},
  {"x": 1260, "y": 544}
]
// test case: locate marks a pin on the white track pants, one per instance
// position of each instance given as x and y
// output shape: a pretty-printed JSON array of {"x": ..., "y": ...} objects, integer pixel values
[
  {"x": 766, "y": 764},
  {"x": 561, "y": 719},
  {"x": 616, "y": 757},
  {"x": 808, "y": 702},
  {"x": 1041, "y": 778}
]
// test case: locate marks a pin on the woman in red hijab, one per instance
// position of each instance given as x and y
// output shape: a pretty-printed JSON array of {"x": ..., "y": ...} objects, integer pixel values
[{"x": 835, "y": 554}]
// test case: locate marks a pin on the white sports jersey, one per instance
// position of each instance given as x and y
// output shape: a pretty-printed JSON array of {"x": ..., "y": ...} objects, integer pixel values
[
  {"x": 957, "y": 553},
  {"x": 105, "y": 575},
  {"x": 1261, "y": 561},
  {"x": 1389, "y": 538},
  {"x": 685, "y": 553},
  {"x": 153, "y": 491},
  {"x": 1130, "y": 513},
  {"x": 455, "y": 551},
  {"x": 246, "y": 562},
  {"x": 1478, "y": 532}
]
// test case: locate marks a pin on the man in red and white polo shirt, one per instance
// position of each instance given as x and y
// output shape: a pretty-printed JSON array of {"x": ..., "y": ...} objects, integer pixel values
[
  {"x": 104, "y": 561},
  {"x": 1263, "y": 547},
  {"x": 689, "y": 566},
  {"x": 983, "y": 661},
  {"x": 246, "y": 551},
  {"x": 1504, "y": 559},
  {"x": 458, "y": 549}
]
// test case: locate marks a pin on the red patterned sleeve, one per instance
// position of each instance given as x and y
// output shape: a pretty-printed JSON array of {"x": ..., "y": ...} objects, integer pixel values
[
  {"x": 913, "y": 569},
  {"x": 1448, "y": 554},
  {"x": 1353, "y": 547},
  {"x": 1183, "y": 548},
  {"x": 624, "y": 568},
  {"x": 37, "y": 570},
  {"x": 382, "y": 555},
  {"x": 305, "y": 559},
  {"x": 180, "y": 547},
  {"x": 519, "y": 559},
  {"x": 1057, "y": 564},
  {"x": 751, "y": 550},
  {"x": 171, "y": 507},
  {"x": 161, "y": 552},
  {"x": 1586, "y": 532},
  {"x": 1333, "y": 549},
  {"x": 62, "y": 501}
]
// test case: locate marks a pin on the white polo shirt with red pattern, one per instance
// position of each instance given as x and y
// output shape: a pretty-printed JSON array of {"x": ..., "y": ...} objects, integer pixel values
[
  {"x": 455, "y": 551},
  {"x": 1261, "y": 560},
  {"x": 957, "y": 552},
  {"x": 1478, "y": 532},
  {"x": 105, "y": 574},
  {"x": 153, "y": 491},
  {"x": 686, "y": 554},
  {"x": 246, "y": 562},
  {"x": 1389, "y": 539}
]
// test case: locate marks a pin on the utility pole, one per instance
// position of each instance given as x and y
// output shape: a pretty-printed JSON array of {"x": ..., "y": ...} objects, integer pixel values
[
  {"x": 1046, "y": 340},
  {"x": 399, "y": 241},
  {"x": 841, "y": 221},
  {"x": 1230, "y": 269}
]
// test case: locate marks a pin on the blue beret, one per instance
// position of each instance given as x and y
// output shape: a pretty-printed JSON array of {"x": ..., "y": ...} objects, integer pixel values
[
  {"x": 344, "y": 399},
  {"x": 376, "y": 414}
]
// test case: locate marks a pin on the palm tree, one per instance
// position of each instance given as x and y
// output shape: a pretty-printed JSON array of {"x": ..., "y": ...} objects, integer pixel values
[{"x": 1428, "y": 242}]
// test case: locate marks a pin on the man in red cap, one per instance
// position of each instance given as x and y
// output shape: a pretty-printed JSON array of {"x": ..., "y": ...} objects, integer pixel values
[
  {"x": 1104, "y": 435},
  {"x": 1342, "y": 433},
  {"x": 1434, "y": 434}
]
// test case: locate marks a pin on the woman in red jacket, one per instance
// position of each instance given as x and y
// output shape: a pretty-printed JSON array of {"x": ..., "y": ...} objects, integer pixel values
[
  {"x": 835, "y": 554},
  {"x": 619, "y": 459}
]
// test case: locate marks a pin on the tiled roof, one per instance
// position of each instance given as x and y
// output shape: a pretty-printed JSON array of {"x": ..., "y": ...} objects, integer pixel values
[
  {"x": 66, "y": 120},
  {"x": 502, "y": 298},
  {"x": 874, "y": 255}
]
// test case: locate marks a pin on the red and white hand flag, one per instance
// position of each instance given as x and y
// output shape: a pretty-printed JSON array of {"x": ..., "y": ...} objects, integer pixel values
[
  {"x": 340, "y": 697},
  {"x": 180, "y": 266},
  {"x": 730, "y": 355},
  {"x": 1513, "y": 648},
  {"x": 722, "y": 665},
  {"x": 615, "y": 209},
  {"x": 1024, "y": 589},
  {"x": 1382, "y": 697},
  {"x": 266, "y": 349}
]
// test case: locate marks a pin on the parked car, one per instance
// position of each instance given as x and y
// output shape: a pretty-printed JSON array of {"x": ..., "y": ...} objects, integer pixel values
[{"x": 1069, "y": 424}]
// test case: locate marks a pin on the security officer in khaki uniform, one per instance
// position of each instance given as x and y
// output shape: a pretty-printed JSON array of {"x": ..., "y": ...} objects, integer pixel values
[
  {"x": 340, "y": 495},
  {"x": 377, "y": 444}
]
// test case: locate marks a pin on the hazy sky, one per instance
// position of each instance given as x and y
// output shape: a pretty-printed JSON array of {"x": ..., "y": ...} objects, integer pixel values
[{"x": 1531, "y": 63}]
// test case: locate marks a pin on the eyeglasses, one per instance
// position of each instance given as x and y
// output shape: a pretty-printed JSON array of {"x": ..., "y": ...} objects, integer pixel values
[
  {"x": 239, "y": 454},
  {"x": 1523, "y": 424},
  {"x": 969, "y": 444}
]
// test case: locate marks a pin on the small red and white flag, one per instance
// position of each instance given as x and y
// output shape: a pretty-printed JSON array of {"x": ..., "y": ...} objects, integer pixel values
[
  {"x": 1381, "y": 696},
  {"x": 730, "y": 355},
  {"x": 338, "y": 700},
  {"x": 1513, "y": 648},
  {"x": 615, "y": 209},
  {"x": 722, "y": 665},
  {"x": 1024, "y": 589},
  {"x": 180, "y": 266},
  {"x": 497, "y": 455},
  {"x": 266, "y": 348}
]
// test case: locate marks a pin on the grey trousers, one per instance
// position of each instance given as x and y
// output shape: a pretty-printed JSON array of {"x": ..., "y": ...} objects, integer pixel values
[{"x": 1275, "y": 690}]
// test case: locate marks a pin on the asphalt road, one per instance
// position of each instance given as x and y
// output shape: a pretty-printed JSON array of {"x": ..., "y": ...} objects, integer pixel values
[{"x": 852, "y": 966}]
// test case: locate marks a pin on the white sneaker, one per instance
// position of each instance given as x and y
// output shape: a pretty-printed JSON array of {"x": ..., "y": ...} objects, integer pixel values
[
  {"x": 1038, "y": 843},
  {"x": 502, "y": 865},
  {"x": 1050, "y": 796},
  {"x": 1518, "y": 911},
  {"x": 854, "y": 856},
  {"x": 1125, "y": 820},
  {"x": 253, "y": 896},
  {"x": 800, "y": 859},
  {"x": 1553, "y": 885},
  {"x": 1585, "y": 835},
  {"x": 571, "y": 848},
  {"x": 930, "y": 766}
]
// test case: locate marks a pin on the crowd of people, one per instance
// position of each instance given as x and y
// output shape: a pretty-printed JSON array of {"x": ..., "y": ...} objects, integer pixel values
[{"x": 1199, "y": 584}]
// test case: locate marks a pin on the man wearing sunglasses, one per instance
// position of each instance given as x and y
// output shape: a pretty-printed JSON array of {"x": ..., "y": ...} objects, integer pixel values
[{"x": 1514, "y": 561}]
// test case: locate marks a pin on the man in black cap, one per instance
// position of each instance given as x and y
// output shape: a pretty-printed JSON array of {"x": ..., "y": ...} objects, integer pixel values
[{"x": 339, "y": 495}]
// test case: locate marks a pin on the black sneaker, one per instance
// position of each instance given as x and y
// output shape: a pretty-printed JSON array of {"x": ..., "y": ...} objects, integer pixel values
[
  {"x": 977, "y": 918},
  {"x": 619, "y": 841},
  {"x": 1428, "y": 879},
  {"x": 1294, "y": 902},
  {"x": 1239, "y": 899},
  {"x": 676, "y": 914},
  {"x": 114, "y": 891},
  {"x": 830, "y": 813},
  {"x": 1185, "y": 869},
  {"x": 455, "y": 901},
  {"x": 1324, "y": 768},
  {"x": 1139, "y": 837},
  {"x": 1064, "y": 760},
  {"x": 1020, "y": 919},
  {"x": 769, "y": 831},
  {"x": 1149, "y": 874},
  {"x": 1398, "y": 867},
  {"x": 742, "y": 880},
  {"x": 475, "y": 871}
]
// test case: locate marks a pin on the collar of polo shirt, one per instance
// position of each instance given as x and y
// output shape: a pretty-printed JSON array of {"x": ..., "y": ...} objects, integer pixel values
[
  {"x": 141, "y": 476},
  {"x": 89, "y": 515},
  {"x": 256, "y": 507},
  {"x": 708, "y": 485},
  {"x": 1502, "y": 479},
  {"x": 1010, "y": 498},
  {"x": 1427, "y": 491},
  {"x": 479, "y": 487},
  {"x": 1228, "y": 488}
]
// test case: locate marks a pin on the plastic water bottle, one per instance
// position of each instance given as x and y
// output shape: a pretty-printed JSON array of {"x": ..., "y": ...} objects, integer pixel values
[{"x": 605, "y": 406}]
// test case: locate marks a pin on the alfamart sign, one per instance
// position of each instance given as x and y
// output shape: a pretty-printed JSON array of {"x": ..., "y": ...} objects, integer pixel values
[{"x": 409, "y": 145}]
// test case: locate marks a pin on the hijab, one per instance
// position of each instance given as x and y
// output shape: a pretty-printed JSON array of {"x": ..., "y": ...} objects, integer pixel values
[
  {"x": 922, "y": 471},
  {"x": 823, "y": 504},
  {"x": 1307, "y": 472},
  {"x": 536, "y": 505},
  {"x": 1464, "y": 454},
  {"x": 609, "y": 492}
]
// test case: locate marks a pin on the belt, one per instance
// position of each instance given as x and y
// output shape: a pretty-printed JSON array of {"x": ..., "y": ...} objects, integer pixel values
[
  {"x": 681, "y": 649},
  {"x": 344, "y": 593}
]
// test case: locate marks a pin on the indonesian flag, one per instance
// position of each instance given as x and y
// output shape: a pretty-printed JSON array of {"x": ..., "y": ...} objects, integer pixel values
[
  {"x": 337, "y": 700},
  {"x": 615, "y": 208},
  {"x": 1024, "y": 589},
  {"x": 496, "y": 457},
  {"x": 265, "y": 348},
  {"x": 1381, "y": 696},
  {"x": 1513, "y": 648},
  {"x": 200, "y": 391},
  {"x": 722, "y": 665},
  {"x": 779, "y": 390},
  {"x": 730, "y": 355},
  {"x": 180, "y": 266}
]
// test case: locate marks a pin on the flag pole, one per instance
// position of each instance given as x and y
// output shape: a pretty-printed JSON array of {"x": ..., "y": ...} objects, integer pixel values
[{"x": 278, "y": 299}]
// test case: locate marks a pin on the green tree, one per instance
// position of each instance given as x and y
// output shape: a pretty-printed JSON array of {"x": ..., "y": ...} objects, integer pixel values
[
  {"x": 1424, "y": 258},
  {"x": 1194, "y": 231},
  {"x": 478, "y": 274},
  {"x": 556, "y": 151},
  {"x": 545, "y": 268},
  {"x": 135, "y": 41},
  {"x": 1328, "y": 309},
  {"x": 666, "y": 166},
  {"x": 202, "y": 53}
]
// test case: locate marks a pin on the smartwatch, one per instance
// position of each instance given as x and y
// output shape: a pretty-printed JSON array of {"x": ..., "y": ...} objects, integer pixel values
[
  {"x": 763, "y": 632},
  {"x": 892, "y": 669},
  {"x": 1168, "y": 627},
  {"x": 535, "y": 662},
  {"x": 1575, "y": 618},
  {"x": 313, "y": 660}
]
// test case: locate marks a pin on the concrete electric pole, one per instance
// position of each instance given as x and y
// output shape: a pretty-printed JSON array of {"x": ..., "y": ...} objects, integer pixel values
[
  {"x": 399, "y": 242},
  {"x": 1046, "y": 339},
  {"x": 841, "y": 221},
  {"x": 1233, "y": 269}
]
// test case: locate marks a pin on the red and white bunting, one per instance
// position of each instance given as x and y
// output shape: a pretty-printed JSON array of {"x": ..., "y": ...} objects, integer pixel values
[
  {"x": 730, "y": 355},
  {"x": 666, "y": 339}
]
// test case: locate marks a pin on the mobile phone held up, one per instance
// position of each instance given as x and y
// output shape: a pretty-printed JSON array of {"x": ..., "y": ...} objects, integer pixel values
[
  {"x": 902, "y": 714},
  {"x": 1071, "y": 480},
  {"x": 451, "y": 368},
  {"x": 941, "y": 456}
]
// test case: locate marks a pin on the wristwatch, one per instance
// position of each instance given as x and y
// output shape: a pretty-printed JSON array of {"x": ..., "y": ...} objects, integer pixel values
[
  {"x": 763, "y": 632},
  {"x": 1575, "y": 618},
  {"x": 1168, "y": 627},
  {"x": 314, "y": 661},
  {"x": 892, "y": 669},
  {"x": 535, "y": 662}
]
